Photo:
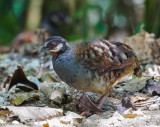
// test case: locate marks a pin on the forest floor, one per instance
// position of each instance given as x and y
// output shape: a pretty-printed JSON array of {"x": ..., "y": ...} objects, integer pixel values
[
  {"x": 31, "y": 94},
  {"x": 56, "y": 94}
]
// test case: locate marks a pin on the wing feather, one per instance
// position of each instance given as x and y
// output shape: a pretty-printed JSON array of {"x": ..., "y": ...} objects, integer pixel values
[{"x": 102, "y": 56}]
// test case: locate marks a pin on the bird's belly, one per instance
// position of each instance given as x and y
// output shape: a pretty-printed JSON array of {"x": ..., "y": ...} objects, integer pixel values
[
  {"x": 94, "y": 84},
  {"x": 81, "y": 79},
  {"x": 89, "y": 83}
]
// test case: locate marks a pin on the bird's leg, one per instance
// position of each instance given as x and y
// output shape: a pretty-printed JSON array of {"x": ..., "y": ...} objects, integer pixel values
[
  {"x": 103, "y": 98},
  {"x": 85, "y": 104}
]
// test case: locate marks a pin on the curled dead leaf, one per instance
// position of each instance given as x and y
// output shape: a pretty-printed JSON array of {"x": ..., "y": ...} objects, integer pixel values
[{"x": 19, "y": 77}]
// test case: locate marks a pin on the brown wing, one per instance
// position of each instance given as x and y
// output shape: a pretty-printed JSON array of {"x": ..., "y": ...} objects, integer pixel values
[{"x": 102, "y": 56}]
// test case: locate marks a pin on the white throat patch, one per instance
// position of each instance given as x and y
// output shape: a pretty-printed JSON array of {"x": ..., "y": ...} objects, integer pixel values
[{"x": 57, "y": 48}]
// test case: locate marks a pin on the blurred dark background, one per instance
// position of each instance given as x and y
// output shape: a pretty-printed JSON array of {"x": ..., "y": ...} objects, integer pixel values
[{"x": 78, "y": 20}]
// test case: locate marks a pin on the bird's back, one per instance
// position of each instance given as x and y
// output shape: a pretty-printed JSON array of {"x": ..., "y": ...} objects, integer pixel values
[
  {"x": 102, "y": 56},
  {"x": 97, "y": 64}
]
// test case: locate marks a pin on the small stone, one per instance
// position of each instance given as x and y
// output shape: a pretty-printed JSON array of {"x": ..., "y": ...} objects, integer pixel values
[
  {"x": 138, "y": 112},
  {"x": 15, "y": 122},
  {"x": 1, "y": 100},
  {"x": 118, "y": 116},
  {"x": 72, "y": 119},
  {"x": 57, "y": 95},
  {"x": 6, "y": 103},
  {"x": 119, "y": 90},
  {"x": 154, "y": 107},
  {"x": 2, "y": 121},
  {"x": 3, "y": 94}
]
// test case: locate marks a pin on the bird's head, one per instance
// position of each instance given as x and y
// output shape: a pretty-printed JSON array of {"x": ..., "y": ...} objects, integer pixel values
[{"x": 54, "y": 44}]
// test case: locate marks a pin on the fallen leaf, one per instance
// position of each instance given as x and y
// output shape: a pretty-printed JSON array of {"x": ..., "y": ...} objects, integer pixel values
[
  {"x": 23, "y": 87},
  {"x": 154, "y": 89},
  {"x": 145, "y": 45},
  {"x": 135, "y": 99},
  {"x": 19, "y": 100},
  {"x": 125, "y": 105},
  {"x": 136, "y": 84},
  {"x": 2, "y": 112},
  {"x": 26, "y": 114},
  {"x": 149, "y": 102},
  {"x": 19, "y": 77},
  {"x": 25, "y": 97}
]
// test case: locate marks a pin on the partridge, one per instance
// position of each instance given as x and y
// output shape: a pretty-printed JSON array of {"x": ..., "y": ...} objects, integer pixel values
[{"x": 94, "y": 66}]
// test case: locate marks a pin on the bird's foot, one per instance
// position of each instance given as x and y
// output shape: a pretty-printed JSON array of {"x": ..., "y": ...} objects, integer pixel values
[{"x": 86, "y": 106}]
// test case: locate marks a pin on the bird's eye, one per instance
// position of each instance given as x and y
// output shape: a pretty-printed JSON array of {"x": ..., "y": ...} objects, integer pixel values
[{"x": 52, "y": 44}]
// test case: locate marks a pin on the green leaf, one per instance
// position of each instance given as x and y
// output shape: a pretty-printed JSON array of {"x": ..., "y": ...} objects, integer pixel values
[{"x": 19, "y": 100}]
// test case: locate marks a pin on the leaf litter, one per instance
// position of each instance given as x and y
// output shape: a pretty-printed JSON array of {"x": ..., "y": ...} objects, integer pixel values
[{"x": 36, "y": 89}]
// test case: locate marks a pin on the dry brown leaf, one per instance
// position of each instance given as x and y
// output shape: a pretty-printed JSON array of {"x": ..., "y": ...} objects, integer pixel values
[
  {"x": 145, "y": 46},
  {"x": 151, "y": 101},
  {"x": 33, "y": 113},
  {"x": 125, "y": 105},
  {"x": 19, "y": 77},
  {"x": 135, "y": 99},
  {"x": 2, "y": 112}
]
